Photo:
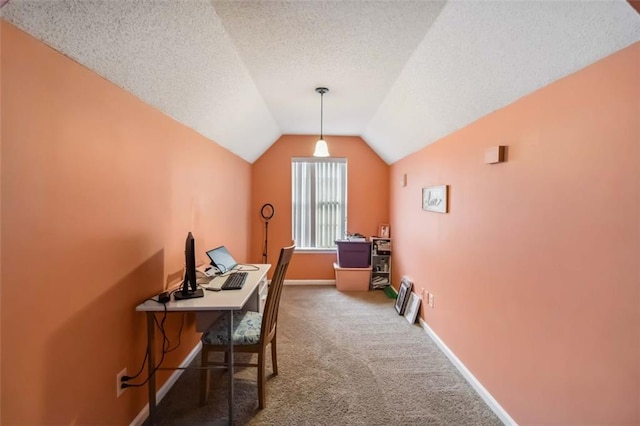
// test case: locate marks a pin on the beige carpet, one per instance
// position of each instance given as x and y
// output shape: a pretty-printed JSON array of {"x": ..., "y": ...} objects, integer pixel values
[{"x": 343, "y": 359}]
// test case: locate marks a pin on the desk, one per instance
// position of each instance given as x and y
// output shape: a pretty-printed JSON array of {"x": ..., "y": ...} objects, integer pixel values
[{"x": 249, "y": 296}]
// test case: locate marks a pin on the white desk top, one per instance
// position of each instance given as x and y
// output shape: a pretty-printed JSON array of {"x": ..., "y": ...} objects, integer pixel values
[{"x": 223, "y": 300}]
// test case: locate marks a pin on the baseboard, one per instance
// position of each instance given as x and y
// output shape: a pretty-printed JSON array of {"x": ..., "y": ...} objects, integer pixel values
[
  {"x": 310, "y": 282},
  {"x": 484, "y": 394},
  {"x": 162, "y": 392}
]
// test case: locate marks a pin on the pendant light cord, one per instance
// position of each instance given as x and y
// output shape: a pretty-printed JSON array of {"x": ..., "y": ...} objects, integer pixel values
[
  {"x": 321, "y": 114},
  {"x": 322, "y": 91}
]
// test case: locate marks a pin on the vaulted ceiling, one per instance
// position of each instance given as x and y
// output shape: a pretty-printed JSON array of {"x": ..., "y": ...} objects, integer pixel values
[{"x": 401, "y": 74}]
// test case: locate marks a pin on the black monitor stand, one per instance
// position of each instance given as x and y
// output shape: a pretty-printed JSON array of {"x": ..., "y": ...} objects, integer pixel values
[
  {"x": 187, "y": 293},
  {"x": 178, "y": 295}
]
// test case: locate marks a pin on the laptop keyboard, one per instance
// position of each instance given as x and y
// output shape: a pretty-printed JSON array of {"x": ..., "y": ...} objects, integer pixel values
[{"x": 235, "y": 281}]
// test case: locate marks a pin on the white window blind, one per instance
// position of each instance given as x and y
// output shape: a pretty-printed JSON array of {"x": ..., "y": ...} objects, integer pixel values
[{"x": 319, "y": 200}]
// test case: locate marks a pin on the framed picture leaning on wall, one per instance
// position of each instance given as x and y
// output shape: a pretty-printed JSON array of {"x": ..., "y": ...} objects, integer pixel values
[
  {"x": 383, "y": 230},
  {"x": 413, "y": 305},
  {"x": 403, "y": 294}
]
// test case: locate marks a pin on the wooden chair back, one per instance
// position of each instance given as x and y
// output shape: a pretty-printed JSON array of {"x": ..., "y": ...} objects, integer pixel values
[{"x": 270, "y": 314}]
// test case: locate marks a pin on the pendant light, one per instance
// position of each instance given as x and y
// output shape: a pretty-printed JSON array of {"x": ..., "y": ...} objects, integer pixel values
[{"x": 321, "y": 146}]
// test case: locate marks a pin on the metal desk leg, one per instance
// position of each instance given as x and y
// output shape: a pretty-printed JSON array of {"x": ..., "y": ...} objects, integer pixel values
[
  {"x": 151, "y": 385},
  {"x": 231, "y": 367}
]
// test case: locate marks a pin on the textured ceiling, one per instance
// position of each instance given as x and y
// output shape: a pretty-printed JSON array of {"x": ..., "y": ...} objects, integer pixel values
[{"x": 401, "y": 74}]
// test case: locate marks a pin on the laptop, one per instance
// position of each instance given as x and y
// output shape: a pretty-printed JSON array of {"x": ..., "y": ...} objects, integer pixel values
[{"x": 222, "y": 259}]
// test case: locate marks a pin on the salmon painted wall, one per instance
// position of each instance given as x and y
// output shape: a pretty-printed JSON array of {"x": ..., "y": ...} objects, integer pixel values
[
  {"x": 98, "y": 193},
  {"x": 367, "y": 198},
  {"x": 535, "y": 268},
  {"x": 0, "y": 225}
]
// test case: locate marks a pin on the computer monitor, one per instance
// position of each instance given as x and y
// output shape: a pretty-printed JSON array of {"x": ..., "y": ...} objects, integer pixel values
[{"x": 189, "y": 288}]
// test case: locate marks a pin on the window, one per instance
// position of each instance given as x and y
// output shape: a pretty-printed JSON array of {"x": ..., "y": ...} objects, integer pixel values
[{"x": 319, "y": 200}]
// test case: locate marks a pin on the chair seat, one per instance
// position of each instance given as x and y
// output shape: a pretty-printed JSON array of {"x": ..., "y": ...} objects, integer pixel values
[{"x": 246, "y": 329}]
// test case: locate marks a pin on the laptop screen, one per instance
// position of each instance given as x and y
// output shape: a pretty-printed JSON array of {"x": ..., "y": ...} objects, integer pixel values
[{"x": 222, "y": 259}]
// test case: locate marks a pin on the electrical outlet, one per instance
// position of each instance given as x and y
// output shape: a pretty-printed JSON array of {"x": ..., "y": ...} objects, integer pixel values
[
  {"x": 431, "y": 299},
  {"x": 119, "y": 389}
]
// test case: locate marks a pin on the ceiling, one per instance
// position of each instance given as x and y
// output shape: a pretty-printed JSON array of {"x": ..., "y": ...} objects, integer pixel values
[{"x": 401, "y": 74}]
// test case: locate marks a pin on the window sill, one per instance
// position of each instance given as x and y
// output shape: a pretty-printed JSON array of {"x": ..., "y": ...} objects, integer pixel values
[{"x": 315, "y": 250}]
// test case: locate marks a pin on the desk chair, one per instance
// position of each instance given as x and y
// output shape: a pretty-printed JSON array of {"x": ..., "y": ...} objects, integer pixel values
[{"x": 252, "y": 333}]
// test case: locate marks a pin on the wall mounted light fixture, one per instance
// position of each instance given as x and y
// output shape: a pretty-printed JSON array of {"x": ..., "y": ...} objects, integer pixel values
[
  {"x": 321, "y": 146},
  {"x": 495, "y": 154}
]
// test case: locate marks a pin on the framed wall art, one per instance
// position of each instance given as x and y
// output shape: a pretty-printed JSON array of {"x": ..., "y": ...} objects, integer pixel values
[{"x": 435, "y": 198}]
